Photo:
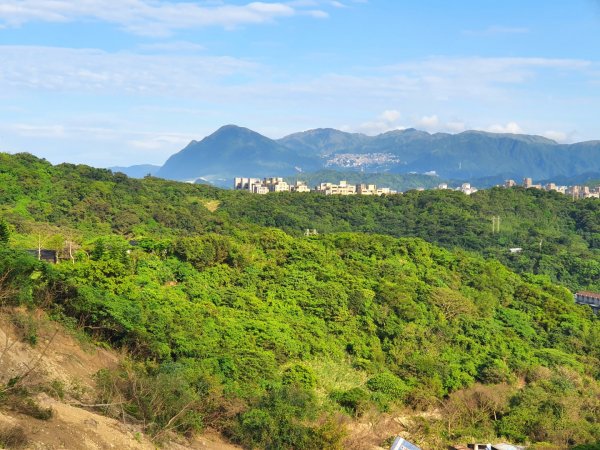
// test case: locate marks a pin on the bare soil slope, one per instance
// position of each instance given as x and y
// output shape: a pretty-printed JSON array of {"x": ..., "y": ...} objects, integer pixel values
[{"x": 60, "y": 371}]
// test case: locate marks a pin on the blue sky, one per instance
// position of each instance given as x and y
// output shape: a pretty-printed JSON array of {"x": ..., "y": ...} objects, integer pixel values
[{"x": 108, "y": 82}]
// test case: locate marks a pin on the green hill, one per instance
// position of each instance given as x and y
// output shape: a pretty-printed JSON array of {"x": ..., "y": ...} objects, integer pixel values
[
  {"x": 559, "y": 238},
  {"x": 279, "y": 340}
]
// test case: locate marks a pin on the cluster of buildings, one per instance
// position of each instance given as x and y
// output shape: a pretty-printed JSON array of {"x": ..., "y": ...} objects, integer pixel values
[
  {"x": 266, "y": 185},
  {"x": 343, "y": 188},
  {"x": 575, "y": 191},
  {"x": 465, "y": 188},
  {"x": 278, "y": 184}
]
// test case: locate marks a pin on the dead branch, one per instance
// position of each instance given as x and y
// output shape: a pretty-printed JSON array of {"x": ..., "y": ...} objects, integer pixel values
[
  {"x": 169, "y": 424},
  {"x": 33, "y": 368},
  {"x": 96, "y": 405}
]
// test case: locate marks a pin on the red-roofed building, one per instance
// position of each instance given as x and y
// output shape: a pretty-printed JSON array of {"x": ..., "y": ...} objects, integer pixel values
[{"x": 588, "y": 298}]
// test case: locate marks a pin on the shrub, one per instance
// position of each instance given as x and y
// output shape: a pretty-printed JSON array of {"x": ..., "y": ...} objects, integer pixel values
[
  {"x": 20, "y": 401},
  {"x": 284, "y": 418},
  {"x": 299, "y": 375},
  {"x": 12, "y": 437},
  {"x": 389, "y": 384},
  {"x": 353, "y": 400}
]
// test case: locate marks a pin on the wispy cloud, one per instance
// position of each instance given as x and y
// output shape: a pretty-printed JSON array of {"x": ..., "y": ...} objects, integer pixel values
[
  {"x": 193, "y": 75},
  {"x": 510, "y": 127},
  {"x": 97, "y": 71},
  {"x": 148, "y": 17},
  {"x": 558, "y": 136}
]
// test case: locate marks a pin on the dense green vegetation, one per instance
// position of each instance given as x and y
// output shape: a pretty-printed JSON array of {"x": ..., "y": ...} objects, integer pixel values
[
  {"x": 560, "y": 238},
  {"x": 273, "y": 337}
]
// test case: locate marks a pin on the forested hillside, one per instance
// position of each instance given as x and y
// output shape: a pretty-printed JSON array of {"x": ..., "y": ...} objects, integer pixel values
[
  {"x": 236, "y": 321},
  {"x": 559, "y": 238}
]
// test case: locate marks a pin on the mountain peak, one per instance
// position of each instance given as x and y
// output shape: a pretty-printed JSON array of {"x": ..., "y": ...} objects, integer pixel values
[{"x": 231, "y": 128}]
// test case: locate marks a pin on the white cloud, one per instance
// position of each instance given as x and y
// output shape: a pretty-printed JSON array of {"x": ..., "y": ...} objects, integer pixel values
[
  {"x": 372, "y": 127},
  {"x": 146, "y": 17},
  {"x": 390, "y": 115},
  {"x": 429, "y": 122},
  {"x": 510, "y": 127},
  {"x": 557, "y": 136},
  {"x": 316, "y": 13}
]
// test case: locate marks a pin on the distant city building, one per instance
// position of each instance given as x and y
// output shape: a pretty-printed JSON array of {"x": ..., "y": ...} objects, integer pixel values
[
  {"x": 466, "y": 188},
  {"x": 510, "y": 183},
  {"x": 245, "y": 184},
  {"x": 300, "y": 186},
  {"x": 343, "y": 188},
  {"x": 366, "y": 189},
  {"x": 276, "y": 184}
]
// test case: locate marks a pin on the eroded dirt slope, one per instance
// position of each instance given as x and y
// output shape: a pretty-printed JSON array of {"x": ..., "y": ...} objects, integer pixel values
[{"x": 60, "y": 371}]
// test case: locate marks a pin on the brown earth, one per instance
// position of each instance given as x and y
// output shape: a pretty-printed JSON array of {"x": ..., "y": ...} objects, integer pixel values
[{"x": 59, "y": 362}]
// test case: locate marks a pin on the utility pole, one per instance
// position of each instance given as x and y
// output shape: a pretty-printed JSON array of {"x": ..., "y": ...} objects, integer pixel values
[{"x": 495, "y": 224}]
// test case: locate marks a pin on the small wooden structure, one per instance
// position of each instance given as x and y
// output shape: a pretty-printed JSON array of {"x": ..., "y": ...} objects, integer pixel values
[
  {"x": 42, "y": 254},
  {"x": 591, "y": 299}
]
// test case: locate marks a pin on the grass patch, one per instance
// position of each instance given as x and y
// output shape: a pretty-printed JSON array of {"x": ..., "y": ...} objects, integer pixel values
[{"x": 336, "y": 376}]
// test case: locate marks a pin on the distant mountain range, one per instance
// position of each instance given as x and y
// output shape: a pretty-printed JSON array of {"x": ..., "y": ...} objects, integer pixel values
[{"x": 235, "y": 151}]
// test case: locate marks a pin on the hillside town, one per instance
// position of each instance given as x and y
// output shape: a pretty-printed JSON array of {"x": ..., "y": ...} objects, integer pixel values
[
  {"x": 576, "y": 192},
  {"x": 278, "y": 184}
]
